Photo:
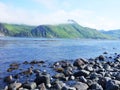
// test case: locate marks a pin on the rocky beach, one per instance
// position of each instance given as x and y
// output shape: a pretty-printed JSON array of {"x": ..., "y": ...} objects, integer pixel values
[{"x": 99, "y": 73}]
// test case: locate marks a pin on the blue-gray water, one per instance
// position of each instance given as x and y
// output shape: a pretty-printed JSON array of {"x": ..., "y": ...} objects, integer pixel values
[
  {"x": 27, "y": 49},
  {"x": 21, "y": 49}
]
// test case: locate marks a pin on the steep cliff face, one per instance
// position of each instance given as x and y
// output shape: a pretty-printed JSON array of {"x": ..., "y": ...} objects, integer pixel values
[
  {"x": 3, "y": 30},
  {"x": 39, "y": 31}
]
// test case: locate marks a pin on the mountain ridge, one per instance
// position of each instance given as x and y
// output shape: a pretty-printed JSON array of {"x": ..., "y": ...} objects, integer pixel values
[{"x": 67, "y": 30}]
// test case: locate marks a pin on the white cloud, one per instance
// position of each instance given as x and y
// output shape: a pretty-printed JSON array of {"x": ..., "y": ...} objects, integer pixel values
[{"x": 10, "y": 14}]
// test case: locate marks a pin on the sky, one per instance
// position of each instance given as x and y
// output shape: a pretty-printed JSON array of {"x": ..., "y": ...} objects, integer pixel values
[{"x": 98, "y": 14}]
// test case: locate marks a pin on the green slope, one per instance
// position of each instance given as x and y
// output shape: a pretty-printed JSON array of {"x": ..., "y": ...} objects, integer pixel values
[
  {"x": 18, "y": 30},
  {"x": 69, "y": 30}
]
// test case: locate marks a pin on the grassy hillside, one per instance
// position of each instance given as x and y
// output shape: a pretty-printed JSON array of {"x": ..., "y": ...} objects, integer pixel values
[
  {"x": 69, "y": 30},
  {"x": 18, "y": 30}
]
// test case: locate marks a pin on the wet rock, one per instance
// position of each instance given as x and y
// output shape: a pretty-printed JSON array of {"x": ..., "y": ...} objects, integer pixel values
[
  {"x": 8, "y": 79},
  {"x": 101, "y": 57},
  {"x": 58, "y": 85},
  {"x": 117, "y": 76},
  {"x": 95, "y": 86},
  {"x": 110, "y": 85},
  {"x": 64, "y": 64},
  {"x": 107, "y": 67},
  {"x": 13, "y": 66},
  {"x": 93, "y": 75},
  {"x": 60, "y": 76},
  {"x": 36, "y": 71},
  {"x": 105, "y": 52},
  {"x": 59, "y": 69},
  {"x": 79, "y": 62},
  {"x": 28, "y": 72},
  {"x": 25, "y": 62},
  {"x": 42, "y": 86},
  {"x": 117, "y": 59},
  {"x": 89, "y": 68},
  {"x": 14, "y": 86},
  {"x": 68, "y": 88},
  {"x": 81, "y": 86},
  {"x": 83, "y": 79},
  {"x": 68, "y": 71},
  {"x": 81, "y": 73},
  {"x": 30, "y": 85},
  {"x": 43, "y": 78}
]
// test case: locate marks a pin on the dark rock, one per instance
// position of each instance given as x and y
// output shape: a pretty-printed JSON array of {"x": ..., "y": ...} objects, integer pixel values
[
  {"x": 25, "y": 62},
  {"x": 110, "y": 85},
  {"x": 79, "y": 62},
  {"x": 101, "y": 57},
  {"x": 28, "y": 72},
  {"x": 81, "y": 73},
  {"x": 8, "y": 79},
  {"x": 105, "y": 52},
  {"x": 89, "y": 68},
  {"x": 43, "y": 78},
  {"x": 60, "y": 76},
  {"x": 95, "y": 86},
  {"x": 12, "y": 67},
  {"x": 83, "y": 79},
  {"x": 59, "y": 69},
  {"x": 30, "y": 85},
  {"x": 68, "y": 71},
  {"x": 93, "y": 75},
  {"x": 117, "y": 76},
  {"x": 58, "y": 85},
  {"x": 81, "y": 86},
  {"x": 107, "y": 67}
]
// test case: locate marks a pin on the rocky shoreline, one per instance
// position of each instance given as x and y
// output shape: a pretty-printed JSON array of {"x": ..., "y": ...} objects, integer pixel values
[{"x": 100, "y": 73}]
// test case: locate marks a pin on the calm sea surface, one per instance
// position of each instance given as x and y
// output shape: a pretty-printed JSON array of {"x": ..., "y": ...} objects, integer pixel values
[{"x": 21, "y": 49}]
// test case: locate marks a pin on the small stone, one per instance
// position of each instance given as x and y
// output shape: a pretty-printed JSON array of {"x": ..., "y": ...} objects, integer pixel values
[
  {"x": 79, "y": 62},
  {"x": 59, "y": 76},
  {"x": 105, "y": 52},
  {"x": 81, "y": 86},
  {"x": 8, "y": 79},
  {"x": 14, "y": 86},
  {"x": 81, "y": 73},
  {"x": 83, "y": 79},
  {"x": 25, "y": 62},
  {"x": 30, "y": 85},
  {"x": 59, "y": 69},
  {"x": 42, "y": 86},
  {"x": 95, "y": 86},
  {"x": 101, "y": 57},
  {"x": 72, "y": 77}
]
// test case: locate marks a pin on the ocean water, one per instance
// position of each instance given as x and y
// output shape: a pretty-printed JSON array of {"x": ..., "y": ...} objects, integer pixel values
[{"x": 21, "y": 49}]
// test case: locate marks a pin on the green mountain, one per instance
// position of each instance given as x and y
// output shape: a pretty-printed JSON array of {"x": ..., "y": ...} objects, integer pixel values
[
  {"x": 68, "y": 30},
  {"x": 112, "y": 33}
]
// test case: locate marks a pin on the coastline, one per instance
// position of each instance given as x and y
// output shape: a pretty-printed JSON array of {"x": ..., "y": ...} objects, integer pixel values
[{"x": 100, "y": 73}]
